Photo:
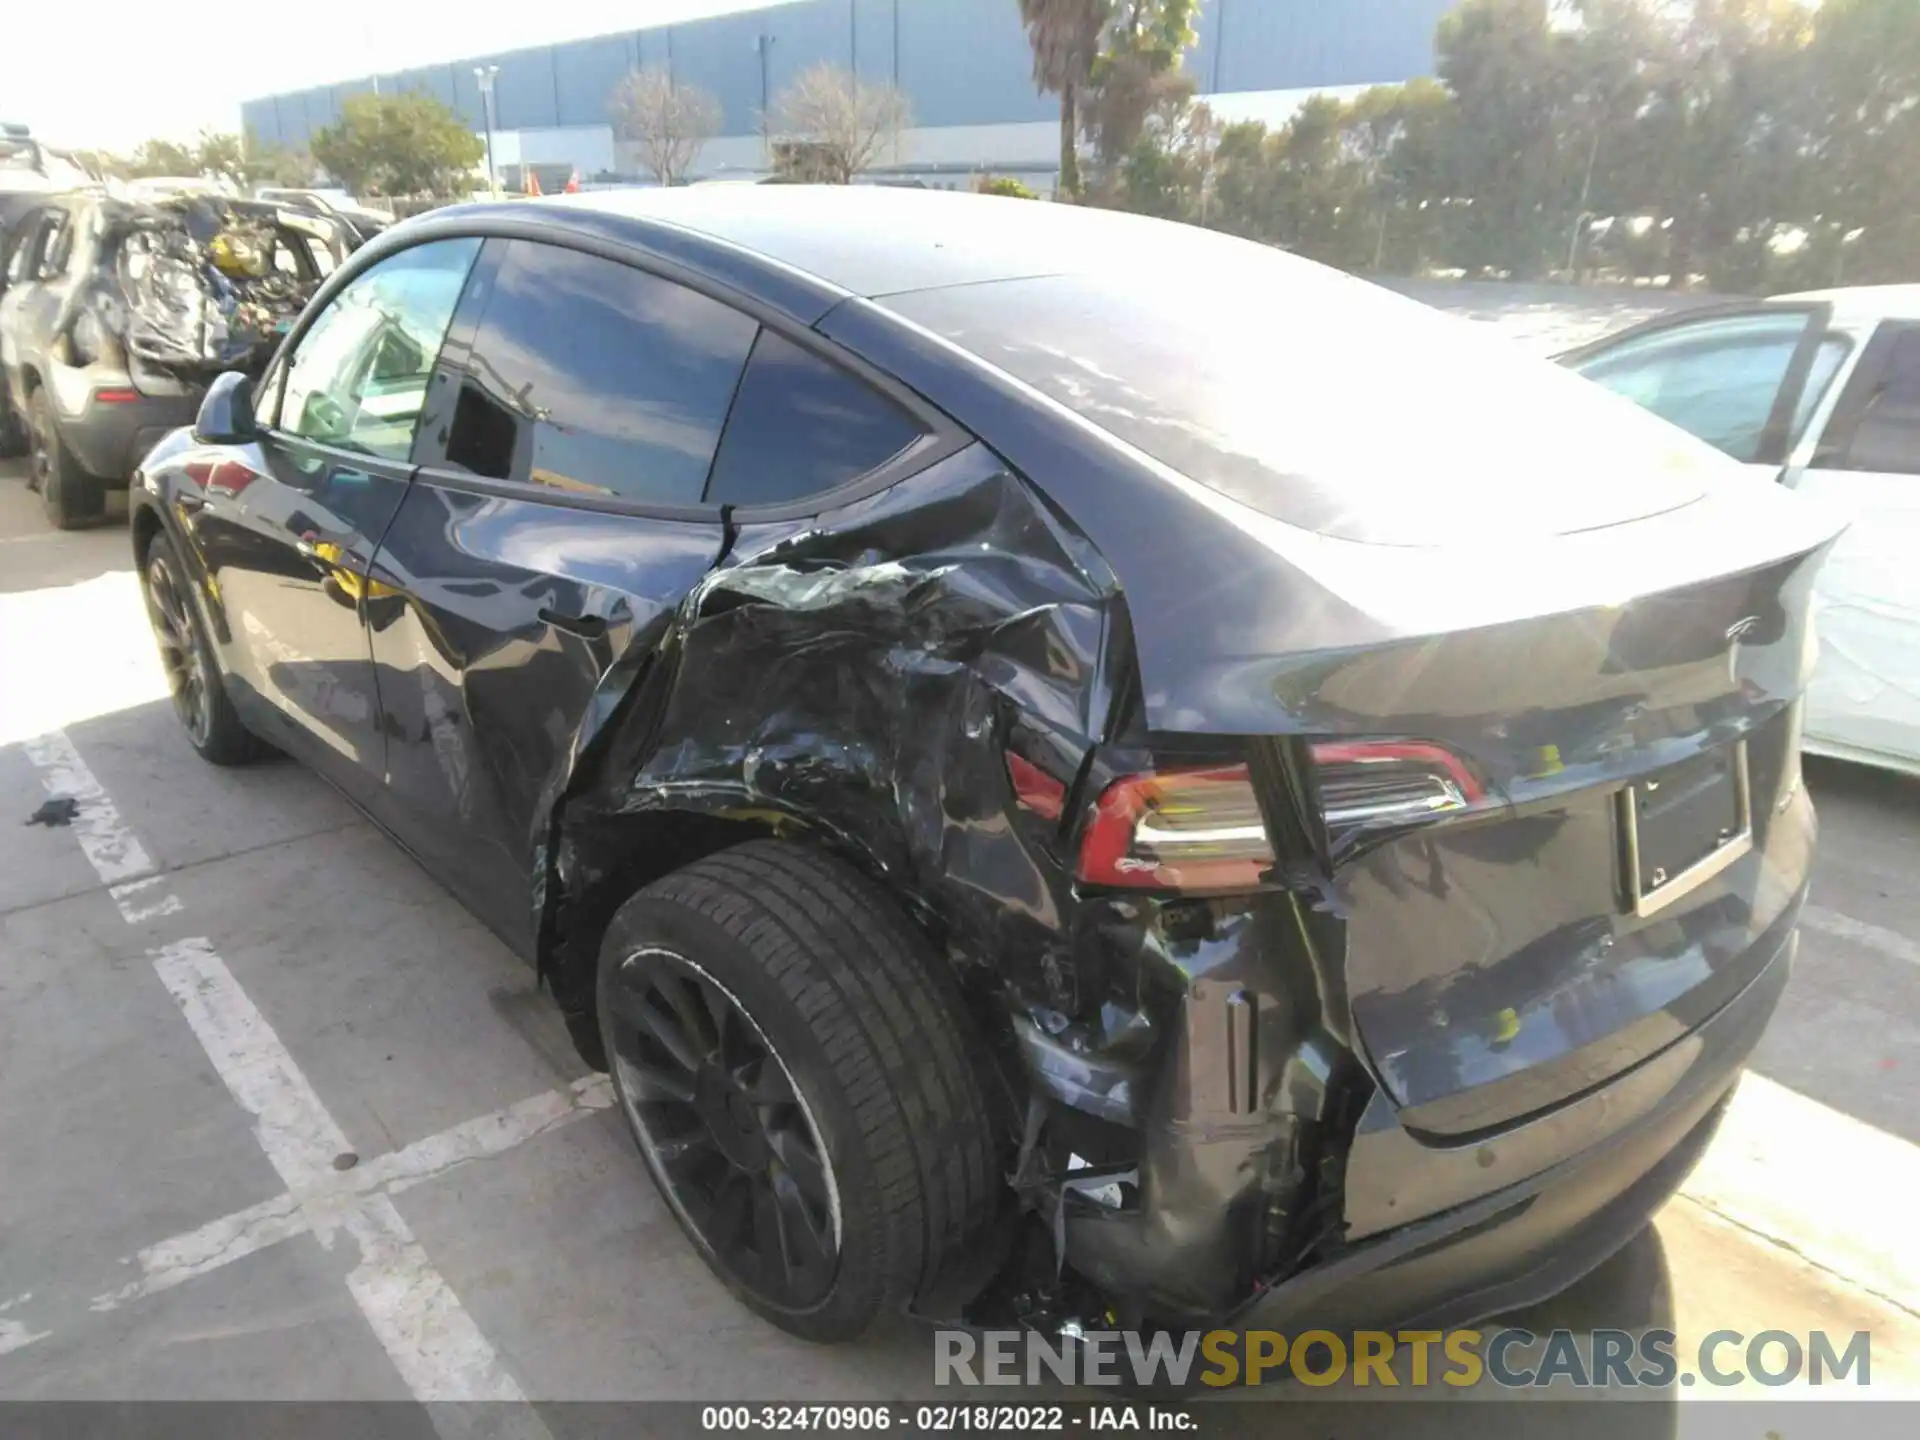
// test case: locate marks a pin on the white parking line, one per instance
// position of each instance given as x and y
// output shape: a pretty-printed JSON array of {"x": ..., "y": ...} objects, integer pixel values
[
  {"x": 116, "y": 855},
  {"x": 1786, "y": 1168},
  {"x": 432, "y": 1341},
  {"x": 123, "y": 897},
  {"x": 489, "y": 1135},
  {"x": 440, "y": 1352},
  {"x": 219, "y": 1242},
  {"x": 16, "y": 1334},
  {"x": 1890, "y": 943},
  {"x": 234, "y": 1237}
]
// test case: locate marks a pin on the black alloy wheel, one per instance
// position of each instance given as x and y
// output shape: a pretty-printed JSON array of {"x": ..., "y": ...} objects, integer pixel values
[
  {"x": 213, "y": 726},
  {"x": 728, "y": 1136},
  {"x": 798, "y": 1069},
  {"x": 69, "y": 496},
  {"x": 180, "y": 653},
  {"x": 39, "y": 450}
]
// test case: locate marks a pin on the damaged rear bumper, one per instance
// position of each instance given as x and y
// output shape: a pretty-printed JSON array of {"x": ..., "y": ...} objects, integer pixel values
[
  {"x": 111, "y": 439},
  {"x": 1530, "y": 1240}
]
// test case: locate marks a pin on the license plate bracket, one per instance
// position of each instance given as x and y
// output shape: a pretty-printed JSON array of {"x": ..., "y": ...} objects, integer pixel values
[{"x": 1682, "y": 827}]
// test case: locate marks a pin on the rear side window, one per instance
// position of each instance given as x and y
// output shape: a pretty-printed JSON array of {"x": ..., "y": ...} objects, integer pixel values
[
  {"x": 802, "y": 425},
  {"x": 1888, "y": 438},
  {"x": 1320, "y": 400},
  {"x": 591, "y": 376},
  {"x": 56, "y": 247},
  {"x": 1718, "y": 379},
  {"x": 20, "y": 242}
]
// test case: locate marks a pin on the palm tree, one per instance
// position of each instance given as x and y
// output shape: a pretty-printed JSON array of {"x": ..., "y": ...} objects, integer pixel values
[{"x": 1065, "y": 35}]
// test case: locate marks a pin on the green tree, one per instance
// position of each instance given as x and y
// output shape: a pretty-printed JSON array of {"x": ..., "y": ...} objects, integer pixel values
[
  {"x": 1859, "y": 80},
  {"x": 1169, "y": 172},
  {"x": 1719, "y": 150},
  {"x": 1416, "y": 177},
  {"x": 1507, "y": 67},
  {"x": 1613, "y": 54},
  {"x": 407, "y": 144},
  {"x": 162, "y": 157},
  {"x": 276, "y": 165},
  {"x": 1065, "y": 37},
  {"x": 1393, "y": 158},
  {"x": 1761, "y": 144},
  {"x": 223, "y": 156},
  {"x": 1242, "y": 180},
  {"x": 1006, "y": 185},
  {"x": 1137, "y": 75}
]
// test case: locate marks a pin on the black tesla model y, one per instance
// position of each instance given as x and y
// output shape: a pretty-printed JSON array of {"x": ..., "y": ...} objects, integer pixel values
[{"x": 1068, "y": 765}]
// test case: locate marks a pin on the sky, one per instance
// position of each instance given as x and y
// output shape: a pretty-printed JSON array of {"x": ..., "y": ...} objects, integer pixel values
[{"x": 111, "y": 73}]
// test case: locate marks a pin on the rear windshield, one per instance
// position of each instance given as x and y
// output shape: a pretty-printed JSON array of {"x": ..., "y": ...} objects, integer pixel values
[{"x": 1326, "y": 402}]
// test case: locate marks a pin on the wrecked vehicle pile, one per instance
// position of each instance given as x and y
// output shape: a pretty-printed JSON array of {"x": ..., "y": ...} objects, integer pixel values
[
  {"x": 211, "y": 284},
  {"x": 118, "y": 310},
  {"x": 1056, "y": 799}
]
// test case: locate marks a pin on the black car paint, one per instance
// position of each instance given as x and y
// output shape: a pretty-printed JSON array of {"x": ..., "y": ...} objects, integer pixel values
[{"x": 853, "y": 670}]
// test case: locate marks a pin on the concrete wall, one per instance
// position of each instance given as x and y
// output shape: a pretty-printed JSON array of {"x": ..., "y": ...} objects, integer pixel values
[{"x": 963, "y": 64}]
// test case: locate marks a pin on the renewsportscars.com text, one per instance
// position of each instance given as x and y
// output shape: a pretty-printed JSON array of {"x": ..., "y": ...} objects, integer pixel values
[{"x": 1509, "y": 1358}]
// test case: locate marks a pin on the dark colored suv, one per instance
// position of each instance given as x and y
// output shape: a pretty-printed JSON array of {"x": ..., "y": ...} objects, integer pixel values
[
  {"x": 114, "y": 314},
  {"x": 1110, "y": 803}
]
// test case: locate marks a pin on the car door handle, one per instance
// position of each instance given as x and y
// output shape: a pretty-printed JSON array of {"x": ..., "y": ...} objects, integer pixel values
[{"x": 587, "y": 627}]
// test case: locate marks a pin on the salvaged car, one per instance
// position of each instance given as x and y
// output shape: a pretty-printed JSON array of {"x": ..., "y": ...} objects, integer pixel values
[
  {"x": 1059, "y": 799},
  {"x": 1819, "y": 393},
  {"x": 28, "y": 172},
  {"x": 116, "y": 312},
  {"x": 363, "y": 221}
]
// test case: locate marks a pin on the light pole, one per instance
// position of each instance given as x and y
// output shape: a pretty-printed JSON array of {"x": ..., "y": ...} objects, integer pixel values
[
  {"x": 1573, "y": 246},
  {"x": 1586, "y": 194},
  {"x": 764, "y": 44},
  {"x": 484, "y": 74}
]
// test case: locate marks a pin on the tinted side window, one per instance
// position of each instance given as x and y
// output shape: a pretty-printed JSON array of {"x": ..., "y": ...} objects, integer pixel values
[
  {"x": 1717, "y": 379},
  {"x": 592, "y": 376},
  {"x": 800, "y": 426},
  {"x": 1888, "y": 439},
  {"x": 1827, "y": 361},
  {"x": 359, "y": 377}
]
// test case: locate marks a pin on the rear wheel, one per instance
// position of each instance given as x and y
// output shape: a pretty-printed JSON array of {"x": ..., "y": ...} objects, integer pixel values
[
  {"x": 69, "y": 495},
  {"x": 193, "y": 676},
  {"x": 795, "y": 1066},
  {"x": 13, "y": 434}
]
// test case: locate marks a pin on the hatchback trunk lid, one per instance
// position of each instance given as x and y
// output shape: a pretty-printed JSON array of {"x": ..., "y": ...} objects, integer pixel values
[{"x": 1573, "y": 598}]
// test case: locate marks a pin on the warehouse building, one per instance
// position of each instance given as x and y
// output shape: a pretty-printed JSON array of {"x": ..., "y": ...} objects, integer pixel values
[{"x": 964, "y": 65}]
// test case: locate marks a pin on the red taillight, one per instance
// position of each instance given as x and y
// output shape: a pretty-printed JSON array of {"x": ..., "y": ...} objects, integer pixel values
[
  {"x": 1390, "y": 782},
  {"x": 1178, "y": 830},
  {"x": 1034, "y": 788},
  {"x": 115, "y": 397},
  {"x": 1202, "y": 829}
]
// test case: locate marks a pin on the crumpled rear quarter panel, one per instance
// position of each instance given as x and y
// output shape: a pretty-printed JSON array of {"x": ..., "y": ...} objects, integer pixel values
[{"x": 857, "y": 677}]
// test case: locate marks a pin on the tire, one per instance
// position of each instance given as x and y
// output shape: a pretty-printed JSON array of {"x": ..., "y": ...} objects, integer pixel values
[
  {"x": 861, "y": 1019},
  {"x": 200, "y": 700},
  {"x": 13, "y": 433},
  {"x": 70, "y": 496}
]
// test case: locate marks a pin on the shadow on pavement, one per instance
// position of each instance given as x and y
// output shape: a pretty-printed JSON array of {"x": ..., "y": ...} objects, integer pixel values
[{"x": 35, "y": 556}]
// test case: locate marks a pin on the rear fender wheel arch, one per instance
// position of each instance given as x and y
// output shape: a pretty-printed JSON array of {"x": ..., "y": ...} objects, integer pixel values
[{"x": 867, "y": 1022}]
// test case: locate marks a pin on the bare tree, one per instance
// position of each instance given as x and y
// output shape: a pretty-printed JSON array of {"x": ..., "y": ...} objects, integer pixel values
[
  {"x": 670, "y": 123},
  {"x": 842, "y": 123}
]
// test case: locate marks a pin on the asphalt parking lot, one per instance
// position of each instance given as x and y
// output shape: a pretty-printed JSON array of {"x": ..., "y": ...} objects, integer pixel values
[{"x": 278, "y": 1120}]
